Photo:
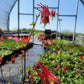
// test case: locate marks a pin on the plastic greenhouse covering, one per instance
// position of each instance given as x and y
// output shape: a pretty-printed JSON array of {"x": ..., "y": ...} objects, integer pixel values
[
  {"x": 82, "y": 1},
  {"x": 5, "y": 9}
]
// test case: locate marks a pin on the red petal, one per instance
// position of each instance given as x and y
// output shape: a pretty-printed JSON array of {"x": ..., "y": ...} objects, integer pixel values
[
  {"x": 48, "y": 73},
  {"x": 42, "y": 76}
]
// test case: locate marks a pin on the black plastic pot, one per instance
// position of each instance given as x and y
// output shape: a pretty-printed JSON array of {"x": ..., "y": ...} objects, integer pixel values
[
  {"x": 66, "y": 37},
  {"x": 15, "y": 52}
]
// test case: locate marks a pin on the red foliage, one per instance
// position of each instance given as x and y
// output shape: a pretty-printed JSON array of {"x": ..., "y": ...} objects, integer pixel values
[
  {"x": 1, "y": 59},
  {"x": 13, "y": 59},
  {"x": 81, "y": 57},
  {"x": 8, "y": 37},
  {"x": 78, "y": 71},
  {"x": 64, "y": 68},
  {"x": 58, "y": 66},
  {"x": 52, "y": 13},
  {"x": 47, "y": 73},
  {"x": 56, "y": 52},
  {"x": 11, "y": 37},
  {"x": 2, "y": 37},
  {"x": 44, "y": 14}
]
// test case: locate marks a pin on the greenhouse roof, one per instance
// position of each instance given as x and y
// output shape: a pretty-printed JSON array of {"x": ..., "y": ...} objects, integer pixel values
[{"x": 5, "y": 9}]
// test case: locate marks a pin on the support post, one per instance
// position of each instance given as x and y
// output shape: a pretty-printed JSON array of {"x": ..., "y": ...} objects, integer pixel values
[
  {"x": 75, "y": 21},
  {"x": 33, "y": 18},
  {"x": 8, "y": 23},
  {"x": 18, "y": 17},
  {"x": 57, "y": 19}
]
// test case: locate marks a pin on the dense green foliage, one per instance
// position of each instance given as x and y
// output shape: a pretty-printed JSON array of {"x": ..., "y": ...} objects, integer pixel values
[
  {"x": 8, "y": 46},
  {"x": 57, "y": 54}
]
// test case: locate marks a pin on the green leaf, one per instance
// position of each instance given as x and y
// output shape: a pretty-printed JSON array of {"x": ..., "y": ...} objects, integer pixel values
[{"x": 32, "y": 24}]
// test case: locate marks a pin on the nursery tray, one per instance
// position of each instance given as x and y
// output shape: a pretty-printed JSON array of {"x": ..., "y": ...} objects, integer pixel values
[{"x": 16, "y": 52}]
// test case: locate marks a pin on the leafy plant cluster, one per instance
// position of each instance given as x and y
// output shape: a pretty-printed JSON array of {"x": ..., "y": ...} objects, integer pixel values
[
  {"x": 8, "y": 46},
  {"x": 68, "y": 68}
]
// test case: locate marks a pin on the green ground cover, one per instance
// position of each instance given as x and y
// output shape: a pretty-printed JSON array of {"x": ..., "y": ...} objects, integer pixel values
[
  {"x": 8, "y": 46},
  {"x": 69, "y": 68}
]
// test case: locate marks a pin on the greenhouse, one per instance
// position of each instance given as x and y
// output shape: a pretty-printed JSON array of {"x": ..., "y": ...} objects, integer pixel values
[{"x": 41, "y": 42}]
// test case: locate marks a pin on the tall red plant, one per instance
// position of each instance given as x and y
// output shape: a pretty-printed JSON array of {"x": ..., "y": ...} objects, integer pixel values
[
  {"x": 44, "y": 14},
  {"x": 46, "y": 74}
]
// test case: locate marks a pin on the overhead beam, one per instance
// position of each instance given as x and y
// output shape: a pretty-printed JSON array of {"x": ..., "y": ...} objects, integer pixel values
[
  {"x": 25, "y": 14},
  {"x": 48, "y": 7},
  {"x": 68, "y": 15}
]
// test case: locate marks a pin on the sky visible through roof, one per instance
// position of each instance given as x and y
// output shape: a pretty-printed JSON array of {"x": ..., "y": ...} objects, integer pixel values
[{"x": 66, "y": 7}]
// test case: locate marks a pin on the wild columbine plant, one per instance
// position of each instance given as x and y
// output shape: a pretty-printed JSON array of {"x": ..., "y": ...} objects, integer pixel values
[
  {"x": 47, "y": 76},
  {"x": 44, "y": 14}
]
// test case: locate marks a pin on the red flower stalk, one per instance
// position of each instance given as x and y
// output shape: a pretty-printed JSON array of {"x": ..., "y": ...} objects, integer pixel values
[
  {"x": 2, "y": 37},
  {"x": 11, "y": 37},
  {"x": 56, "y": 52},
  {"x": 31, "y": 38},
  {"x": 58, "y": 66},
  {"x": 1, "y": 59},
  {"x": 44, "y": 14},
  {"x": 23, "y": 39},
  {"x": 64, "y": 68},
  {"x": 52, "y": 13},
  {"x": 78, "y": 71},
  {"x": 13, "y": 59},
  {"x": 8, "y": 37},
  {"x": 81, "y": 57},
  {"x": 42, "y": 76},
  {"x": 14, "y": 36},
  {"x": 47, "y": 73}
]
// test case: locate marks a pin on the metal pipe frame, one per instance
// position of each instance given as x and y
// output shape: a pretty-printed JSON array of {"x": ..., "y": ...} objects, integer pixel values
[
  {"x": 25, "y": 14},
  {"x": 57, "y": 19},
  {"x": 75, "y": 21},
  {"x": 33, "y": 17},
  {"x": 18, "y": 16},
  {"x": 67, "y": 15},
  {"x": 48, "y": 7},
  {"x": 8, "y": 21}
]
